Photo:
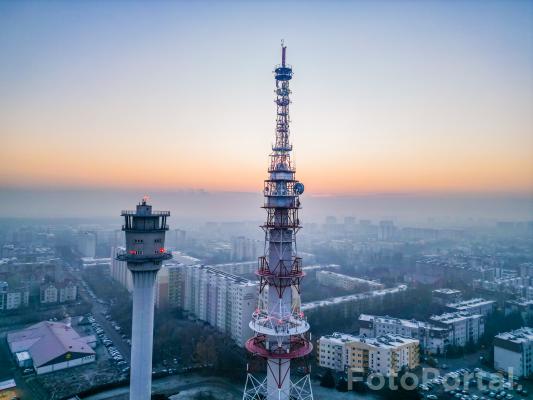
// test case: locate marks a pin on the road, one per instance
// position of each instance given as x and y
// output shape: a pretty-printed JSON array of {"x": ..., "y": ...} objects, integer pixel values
[{"x": 98, "y": 310}]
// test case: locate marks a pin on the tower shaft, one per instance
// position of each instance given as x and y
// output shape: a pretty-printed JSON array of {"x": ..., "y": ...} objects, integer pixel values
[
  {"x": 142, "y": 334},
  {"x": 145, "y": 252}
]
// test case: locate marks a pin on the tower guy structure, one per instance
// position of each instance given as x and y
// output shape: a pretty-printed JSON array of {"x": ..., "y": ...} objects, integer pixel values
[
  {"x": 281, "y": 331},
  {"x": 145, "y": 251}
]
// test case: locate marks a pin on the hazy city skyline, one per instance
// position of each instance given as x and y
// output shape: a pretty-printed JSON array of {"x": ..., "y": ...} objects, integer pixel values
[{"x": 431, "y": 97}]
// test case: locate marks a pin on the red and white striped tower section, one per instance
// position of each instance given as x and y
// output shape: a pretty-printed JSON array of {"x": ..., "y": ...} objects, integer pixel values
[{"x": 281, "y": 331}]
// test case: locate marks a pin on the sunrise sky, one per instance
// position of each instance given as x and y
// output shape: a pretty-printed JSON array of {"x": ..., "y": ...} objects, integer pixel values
[{"x": 387, "y": 96}]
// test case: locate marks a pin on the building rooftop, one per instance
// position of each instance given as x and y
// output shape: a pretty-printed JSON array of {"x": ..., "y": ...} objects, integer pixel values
[
  {"x": 226, "y": 275},
  {"x": 349, "y": 278},
  {"x": 521, "y": 302},
  {"x": 384, "y": 341},
  {"x": 447, "y": 291},
  {"x": 450, "y": 318},
  {"x": 46, "y": 341},
  {"x": 522, "y": 335},
  {"x": 471, "y": 303},
  {"x": 352, "y": 297},
  {"x": 339, "y": 338},
  {"x": 410, "y": 323}
]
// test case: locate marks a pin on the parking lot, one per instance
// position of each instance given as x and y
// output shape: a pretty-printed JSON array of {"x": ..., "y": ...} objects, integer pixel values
[
  {"x": 109, "y": 333},
  {"x": 472, "y": 384}
]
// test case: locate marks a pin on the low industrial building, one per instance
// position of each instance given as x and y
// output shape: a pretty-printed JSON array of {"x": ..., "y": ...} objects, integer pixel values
[{"x": 50, "y": 346}]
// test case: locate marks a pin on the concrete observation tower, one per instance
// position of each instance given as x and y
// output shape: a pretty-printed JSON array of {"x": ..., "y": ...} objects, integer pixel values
[
  {"x": 145, "y": 251},
  {"x": 281, "y": 330}
]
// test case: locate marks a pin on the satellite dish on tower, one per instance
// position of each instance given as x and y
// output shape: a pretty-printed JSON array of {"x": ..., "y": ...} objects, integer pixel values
[{"x": 299, "y": 187}]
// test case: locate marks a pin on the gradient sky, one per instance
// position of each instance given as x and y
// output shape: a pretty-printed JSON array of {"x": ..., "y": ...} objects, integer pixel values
[{"x": 387, "y": 96}]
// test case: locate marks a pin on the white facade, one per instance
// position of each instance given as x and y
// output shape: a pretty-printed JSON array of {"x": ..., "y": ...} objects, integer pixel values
[
  {"x": 433, "y": 339},
  {"x": 86, "y": 244},
  {"x": 514, "y": 350},
  {"x": 224, "y": 300},
  {"x": 119, "y": 269},
  {"x": 463, "y": 327},
  {"x": 385, "y": 355},
  {"x": 48, "y": 293},
  {"x": 243, "y": 248},
  {"x": 68, "y": 291},
  {"x": 332, "y": 351},
  {"x": 12, "y": 299}
]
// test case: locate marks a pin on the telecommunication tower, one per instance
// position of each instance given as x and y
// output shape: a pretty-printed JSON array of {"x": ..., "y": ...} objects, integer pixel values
[
  {"x": 280, "y": 328},
  {"x": 145, "y": 252}
]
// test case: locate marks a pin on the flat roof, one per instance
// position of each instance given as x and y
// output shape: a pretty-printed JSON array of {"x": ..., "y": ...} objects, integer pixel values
[
  {"x": 522, "y": 335},
  {"x": 450, "y": 318},
  {"x": 447, "y": 291},
  {"x": 410, "y": 323},
  {"x": 471, "y": 303},
  {"x": 383, "y": 341},
  {"x": 352, "y": 297}
]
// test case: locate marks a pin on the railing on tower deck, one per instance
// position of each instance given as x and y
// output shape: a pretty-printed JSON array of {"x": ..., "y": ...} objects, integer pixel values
[
  {"x": 153, "y": 213},
  {"x": 163, "y": 227}
]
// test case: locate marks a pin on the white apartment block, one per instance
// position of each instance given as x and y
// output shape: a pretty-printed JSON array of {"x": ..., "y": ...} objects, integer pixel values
[
  {"x": 329, "y": 278},
  {"x": 48, "y": 293},
  {"x": 224, "y": 300},
  {"x": 462, "y": 326},
  {"x": 386, "y": 354},
  {"x": 58, "y": 292},
  {"x": 473, "y": 306},
  {"x": 433, "y": 339},
  {"x": 514, "y": 350},
  {"x": 332, "y": 351},
  {"x": 119, "y": 270},
  {"x": 68, "y": 291},
  {"x": 11, "y": 299}
]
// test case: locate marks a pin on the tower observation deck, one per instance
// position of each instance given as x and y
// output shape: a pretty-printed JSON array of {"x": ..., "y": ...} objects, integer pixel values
[
  {"x": 145, "y": 251},
  {"x": 280, "y": 328}
]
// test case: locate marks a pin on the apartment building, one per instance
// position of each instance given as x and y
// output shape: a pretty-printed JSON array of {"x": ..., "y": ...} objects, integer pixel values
[
  {"x": 433, "y": 339},
  {"x": 224, "y": 300},
  {"x": 12, "y": 298},
  {"x": 386, "y": 354},
  {"x": 463, "y": 327},
  {"x": 514, "y": 350},
  {"x": 329, "y": 278}
]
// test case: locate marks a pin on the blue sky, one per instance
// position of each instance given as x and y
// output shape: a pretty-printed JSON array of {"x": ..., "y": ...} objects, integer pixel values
[{"x": 387, "y": 96}]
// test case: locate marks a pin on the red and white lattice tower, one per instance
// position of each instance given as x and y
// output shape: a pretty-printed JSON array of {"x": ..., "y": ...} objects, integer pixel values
[{"x": 281, "y": 331}]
